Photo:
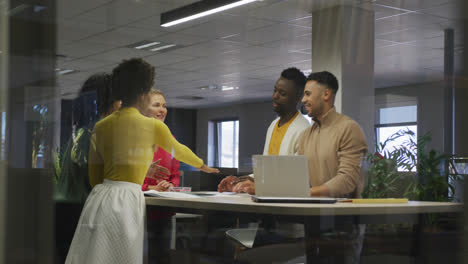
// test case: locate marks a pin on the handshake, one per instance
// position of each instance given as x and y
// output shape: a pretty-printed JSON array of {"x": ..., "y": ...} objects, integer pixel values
[{"x": 242, "y": 184}]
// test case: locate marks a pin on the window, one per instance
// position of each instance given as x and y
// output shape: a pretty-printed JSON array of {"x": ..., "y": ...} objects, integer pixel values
[
  {"x": 392, "y": 120},
  {"x": 225, "y": 140}
]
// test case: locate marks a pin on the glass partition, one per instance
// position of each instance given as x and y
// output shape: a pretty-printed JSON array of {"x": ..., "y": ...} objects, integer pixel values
[{"x": 399, "y": 68}]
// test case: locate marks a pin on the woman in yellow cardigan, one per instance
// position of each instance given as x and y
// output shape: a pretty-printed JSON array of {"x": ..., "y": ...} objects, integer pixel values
[{"x": 111, "y": 226}]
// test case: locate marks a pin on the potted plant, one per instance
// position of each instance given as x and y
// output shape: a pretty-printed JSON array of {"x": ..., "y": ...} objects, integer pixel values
[
  {"x": 414, "y": 171},
  {"x": 383, "y": 177},
  {"x": 423, "y": 171},
  {"x": 433, "y": 179}
]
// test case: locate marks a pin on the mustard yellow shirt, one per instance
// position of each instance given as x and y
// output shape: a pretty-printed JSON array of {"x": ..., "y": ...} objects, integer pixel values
[
  {"x": 278, "y": 135},
  {"x": 122, "y": 147}
]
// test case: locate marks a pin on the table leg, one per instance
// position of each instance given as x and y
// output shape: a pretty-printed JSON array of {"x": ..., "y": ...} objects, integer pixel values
[
  {"x": 418, "y": 232},
  {"x": 312, "y": 230},
  {"x": 332, "y": 239}
]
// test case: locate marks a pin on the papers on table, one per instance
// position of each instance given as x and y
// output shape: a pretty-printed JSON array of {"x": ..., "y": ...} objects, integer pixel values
[
  {"x": 188, "y": 195},
  {"x": 218, "y": 194},
  {"x": 170, "y": 194},
  {"x": 376, "y": 200},
  {"x": 213, "y": 193}
]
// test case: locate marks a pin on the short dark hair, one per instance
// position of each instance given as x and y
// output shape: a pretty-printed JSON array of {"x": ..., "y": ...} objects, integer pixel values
[
  {"x": 295, "y": 75},
  {"x": 325, "y": 78},
  {"x": 131, "y": 79}
]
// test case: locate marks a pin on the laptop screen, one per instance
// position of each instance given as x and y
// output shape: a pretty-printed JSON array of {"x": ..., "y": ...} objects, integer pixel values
[{"x": 284, "y": 175}]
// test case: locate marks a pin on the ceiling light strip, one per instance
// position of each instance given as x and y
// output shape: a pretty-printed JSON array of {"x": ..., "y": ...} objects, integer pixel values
[
  {"x": 163, "y": 47},
  {"x": 393, "y": 7},
  {"x": 64, "y": 71},
  {"x": 147, "y": 45},
  {"x": 204, "y": 4}
]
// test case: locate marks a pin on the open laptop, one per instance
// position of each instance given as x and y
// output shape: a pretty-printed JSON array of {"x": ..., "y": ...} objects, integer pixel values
[{"x": 283, "y": 179}]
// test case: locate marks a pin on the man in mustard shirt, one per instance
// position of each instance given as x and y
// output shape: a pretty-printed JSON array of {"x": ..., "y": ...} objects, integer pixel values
[{"x": 283, "y": 132}]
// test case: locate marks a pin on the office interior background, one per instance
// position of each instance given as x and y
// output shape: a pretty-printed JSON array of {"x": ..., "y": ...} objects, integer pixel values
[{"x": 400, "y": 64}]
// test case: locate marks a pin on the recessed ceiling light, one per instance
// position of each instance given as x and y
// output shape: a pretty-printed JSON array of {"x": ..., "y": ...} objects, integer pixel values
[
  {"x": 64, "y": 71},
  {"x": 230, "y": 36},
  {"x": 232, "y": 51},
  {"x": 163, "y": 47},
  {"x": 303, "y": 51},
  {"x": 228, "y": 88},
  {"x": 209, "y": 87},
  {"x": 198, "y": 9},
  {"x": 146, "y": 45}
]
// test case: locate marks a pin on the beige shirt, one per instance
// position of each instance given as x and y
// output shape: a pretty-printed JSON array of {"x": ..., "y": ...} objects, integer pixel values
[{"x": 335, "y": 149}]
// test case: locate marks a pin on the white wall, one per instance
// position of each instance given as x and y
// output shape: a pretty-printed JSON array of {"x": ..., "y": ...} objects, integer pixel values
[{"x": 254, "y": 119}]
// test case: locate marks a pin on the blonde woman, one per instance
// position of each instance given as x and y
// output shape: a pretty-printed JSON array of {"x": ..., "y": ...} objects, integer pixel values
[
  {"x": 159, "y": 223},
  {"x": 161, "y": 181}
]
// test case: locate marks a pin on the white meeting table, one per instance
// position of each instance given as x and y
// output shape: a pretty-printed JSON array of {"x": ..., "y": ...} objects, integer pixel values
[{"x": 316, "y": 217}]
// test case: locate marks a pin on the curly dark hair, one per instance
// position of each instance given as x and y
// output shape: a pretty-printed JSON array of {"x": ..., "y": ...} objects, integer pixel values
[
  {"x": 295, "y": 75},
  {"x": 94, "y": 99},
  {"x": 325, "y": 78},
  {"x": 131, "y": 79}
]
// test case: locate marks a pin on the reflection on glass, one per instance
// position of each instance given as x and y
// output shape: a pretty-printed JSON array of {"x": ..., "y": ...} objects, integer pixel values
[
  {"x": 39, "y": 133},
  {"x": 3, "y": 136}
]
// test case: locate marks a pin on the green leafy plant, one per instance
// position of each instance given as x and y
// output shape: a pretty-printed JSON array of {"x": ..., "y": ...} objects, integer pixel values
[
  {"x": 71, "y": 168},
  {"x": 431, "y": 180},
  {"x": 383, "y": 177},
  {"x": 423, "y": 176}
]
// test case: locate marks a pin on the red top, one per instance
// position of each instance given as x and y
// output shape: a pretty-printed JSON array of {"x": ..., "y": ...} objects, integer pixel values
[
  {"x": 173, "y": 165},
  {"x": 169, "y": 162}
]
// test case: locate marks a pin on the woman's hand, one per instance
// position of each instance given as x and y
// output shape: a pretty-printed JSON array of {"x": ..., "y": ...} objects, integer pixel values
[
  {"x": 157, "y": 171},
  {"x": 155, "y": 187},
  {"x": 207, "y": 169},
  {"x": 245, "y": 187},
  {"x": 163, "y": 186},
  {"x": 227, "y": 184}
]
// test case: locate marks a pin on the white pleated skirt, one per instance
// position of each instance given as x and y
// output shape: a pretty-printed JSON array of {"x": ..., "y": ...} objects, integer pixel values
[{"x": 111, "y": 226}]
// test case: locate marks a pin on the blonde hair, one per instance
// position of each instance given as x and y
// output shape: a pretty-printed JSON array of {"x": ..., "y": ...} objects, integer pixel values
[{"x": 156, "y": 92}]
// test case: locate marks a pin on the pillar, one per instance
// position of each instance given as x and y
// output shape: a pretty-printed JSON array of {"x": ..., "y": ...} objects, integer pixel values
[{"x": 343, "y": 44}]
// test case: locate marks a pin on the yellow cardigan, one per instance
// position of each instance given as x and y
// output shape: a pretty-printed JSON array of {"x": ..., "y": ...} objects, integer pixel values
[{"x": 122, "y": 147}]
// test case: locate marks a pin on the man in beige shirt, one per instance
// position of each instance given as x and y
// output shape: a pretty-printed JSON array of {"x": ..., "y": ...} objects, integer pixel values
[{"x": 334, "y": 145}]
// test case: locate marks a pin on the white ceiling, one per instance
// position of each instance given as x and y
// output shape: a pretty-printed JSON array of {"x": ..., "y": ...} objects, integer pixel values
[{"x": 245, "y": 47}]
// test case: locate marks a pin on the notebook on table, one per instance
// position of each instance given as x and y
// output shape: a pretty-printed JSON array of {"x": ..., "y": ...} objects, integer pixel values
[{"x": 283, "y": 179}]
